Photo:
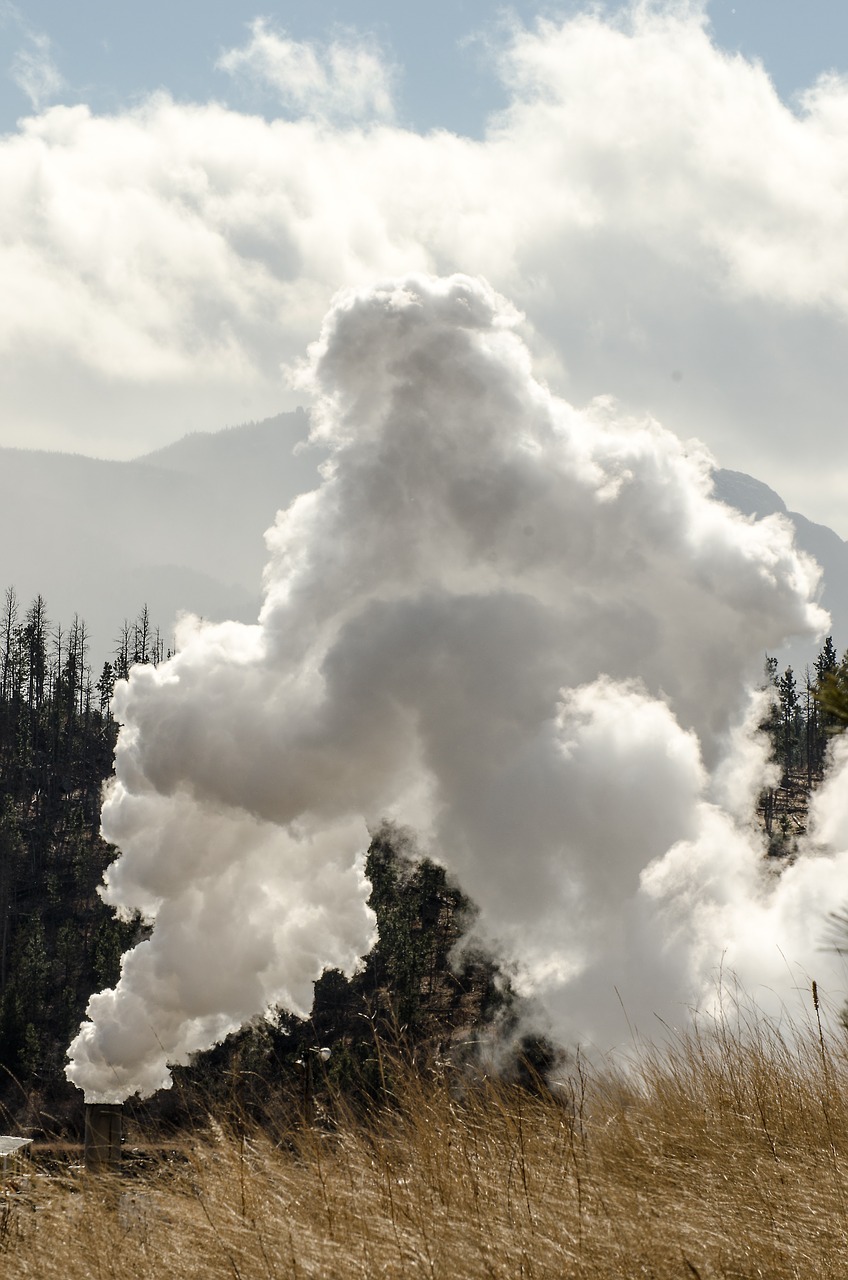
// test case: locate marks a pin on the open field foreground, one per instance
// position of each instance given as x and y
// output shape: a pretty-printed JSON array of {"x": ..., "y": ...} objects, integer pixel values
[{"x": 722, "y": 1158}]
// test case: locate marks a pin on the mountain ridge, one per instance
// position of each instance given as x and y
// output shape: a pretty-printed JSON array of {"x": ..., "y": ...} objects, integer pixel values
[{"x": 181, "y": 528}]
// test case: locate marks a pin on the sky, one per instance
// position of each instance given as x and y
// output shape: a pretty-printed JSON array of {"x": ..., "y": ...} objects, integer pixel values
[{"x": 660, "y": 189}]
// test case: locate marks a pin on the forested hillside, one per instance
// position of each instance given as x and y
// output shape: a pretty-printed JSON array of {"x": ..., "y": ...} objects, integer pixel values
[
  {"x": 800, "y": 726},
  {"x": 59, "y": 943}
]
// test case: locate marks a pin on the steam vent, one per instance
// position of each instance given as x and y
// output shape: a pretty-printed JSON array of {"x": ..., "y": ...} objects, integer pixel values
[{"x": 103, "y": 1127}]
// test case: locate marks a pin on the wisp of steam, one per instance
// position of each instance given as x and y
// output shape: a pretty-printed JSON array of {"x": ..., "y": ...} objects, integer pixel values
[{"x": 524, "y": 631}]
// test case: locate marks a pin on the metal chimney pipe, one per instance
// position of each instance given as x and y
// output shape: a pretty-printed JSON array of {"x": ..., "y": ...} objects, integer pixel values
[{"x": 103, "y": 1127}]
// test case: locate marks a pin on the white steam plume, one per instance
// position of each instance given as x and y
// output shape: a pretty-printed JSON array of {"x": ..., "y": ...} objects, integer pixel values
[{"x": 525, "y": 631}]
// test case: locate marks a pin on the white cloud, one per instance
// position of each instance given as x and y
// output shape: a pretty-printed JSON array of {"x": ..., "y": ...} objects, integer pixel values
[
  {"x": 345, "y": 79},
  {"x": 673, "y": 232},
  {"x": 35, "y": 72}
]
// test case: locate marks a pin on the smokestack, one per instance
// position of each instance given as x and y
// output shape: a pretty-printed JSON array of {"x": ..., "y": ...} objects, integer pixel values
[{"x": 103, "y": 1128}]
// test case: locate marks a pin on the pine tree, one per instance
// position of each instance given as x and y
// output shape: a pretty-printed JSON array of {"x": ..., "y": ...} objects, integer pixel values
[
  {"x": 832, "y": 695},
  {"x": 790, "y": 723}
]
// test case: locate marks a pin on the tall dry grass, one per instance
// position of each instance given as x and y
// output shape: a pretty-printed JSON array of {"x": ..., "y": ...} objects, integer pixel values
[{"x": 723, "y": 1154}]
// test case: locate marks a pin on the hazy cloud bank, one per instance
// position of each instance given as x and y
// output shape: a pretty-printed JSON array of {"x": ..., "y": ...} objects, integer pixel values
[{"x": 673, "y": 232}]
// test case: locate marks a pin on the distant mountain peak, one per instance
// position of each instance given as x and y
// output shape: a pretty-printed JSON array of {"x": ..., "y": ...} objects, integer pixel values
[
  {"x": 272, "y": 437},
  {"x": 181, "y": 527},
  {"x": 750, "y": 496}
]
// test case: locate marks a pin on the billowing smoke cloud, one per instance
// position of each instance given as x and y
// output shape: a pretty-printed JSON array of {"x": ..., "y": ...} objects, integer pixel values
[{"x": 526, "y": 632}]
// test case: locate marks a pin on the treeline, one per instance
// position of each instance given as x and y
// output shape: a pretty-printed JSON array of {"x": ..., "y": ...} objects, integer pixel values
[
  {"x": 803, "y": 717},
  {"x": 58, "y": 942}
]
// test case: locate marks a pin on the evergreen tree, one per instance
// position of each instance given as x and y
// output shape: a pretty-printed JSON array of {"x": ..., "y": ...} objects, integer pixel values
[
  {"x": 7, "y": 642},
  {"x": 832, "y": 696},
  {"x": 827, "y": 661},
  {"x": 35, "y": 641},
  {"x": 106, "y": 686},
  {"x": 790, "y": 722}
]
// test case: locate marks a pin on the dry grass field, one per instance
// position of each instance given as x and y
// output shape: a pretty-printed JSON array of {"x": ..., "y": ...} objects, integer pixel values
[{"x": 722, "y": 1155}]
